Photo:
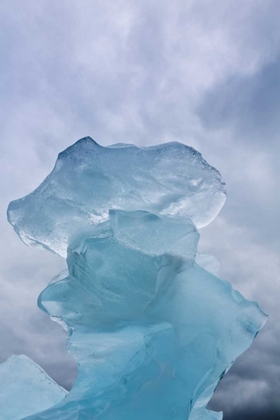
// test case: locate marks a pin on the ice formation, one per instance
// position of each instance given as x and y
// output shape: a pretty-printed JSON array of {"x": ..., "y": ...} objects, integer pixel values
[
  {"x": 26, "y": 389},
  {"x": 152, "y": 331}
]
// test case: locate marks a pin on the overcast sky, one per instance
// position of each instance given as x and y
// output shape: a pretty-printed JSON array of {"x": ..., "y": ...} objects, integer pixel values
[{"x": 203, "y": 72}]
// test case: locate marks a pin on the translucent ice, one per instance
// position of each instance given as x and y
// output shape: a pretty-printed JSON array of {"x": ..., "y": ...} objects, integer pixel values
[
  {"x": 151, "y": 330},
  {"x": 26, "y": 389},
  {"x": 88, "y": 180}
]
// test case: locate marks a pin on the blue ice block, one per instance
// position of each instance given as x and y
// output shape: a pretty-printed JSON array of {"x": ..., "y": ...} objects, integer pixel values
[
  {"x": 152, "y": 331},
  {"x": 25, "y": 389}
]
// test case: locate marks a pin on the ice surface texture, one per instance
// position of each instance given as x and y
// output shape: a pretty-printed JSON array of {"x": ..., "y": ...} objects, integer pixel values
[
  {"x": 26, "y": 389},
  {"x": 88, "y": 180},
  {"x": 151, "y": 330}
]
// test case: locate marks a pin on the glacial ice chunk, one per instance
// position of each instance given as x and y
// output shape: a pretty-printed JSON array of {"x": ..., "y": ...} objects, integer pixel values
[
  {"x": 26, "y": 389},
  {"x": 88, "y": 180},
  {"x": 152, "y": 334},
  {"x": 152, "y": 328}
]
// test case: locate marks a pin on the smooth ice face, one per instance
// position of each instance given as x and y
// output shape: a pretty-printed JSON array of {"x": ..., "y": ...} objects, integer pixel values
[
  {"x": 152, "y": 334},
  {"x": 88, "y": 180},
  {"x": 151, "y": 330},
  {"x": 26, "y": 389},
  {"x": 153, "y": 234}
]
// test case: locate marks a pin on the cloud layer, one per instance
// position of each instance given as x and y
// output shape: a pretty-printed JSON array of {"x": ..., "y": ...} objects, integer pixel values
[{"x": 201, "y": 72}]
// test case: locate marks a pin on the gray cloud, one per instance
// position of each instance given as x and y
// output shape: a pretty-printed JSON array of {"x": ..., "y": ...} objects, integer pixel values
[
  {"x": 254, "y": 112},
  {"x": 249, "y": 107},
  {"x": 204, "y": 73}
]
